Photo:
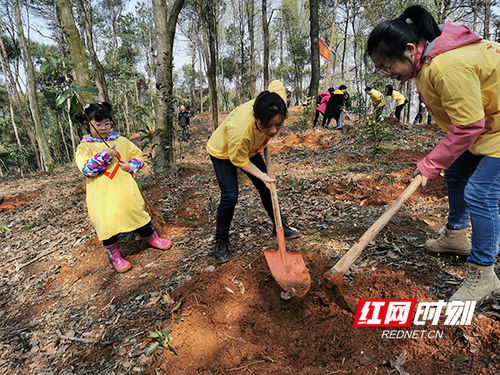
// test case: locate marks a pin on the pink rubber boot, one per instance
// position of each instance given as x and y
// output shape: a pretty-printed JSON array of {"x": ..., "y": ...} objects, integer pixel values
[
  {"x": 120, "y": 264},
  {"x": 159, "y": 243}
]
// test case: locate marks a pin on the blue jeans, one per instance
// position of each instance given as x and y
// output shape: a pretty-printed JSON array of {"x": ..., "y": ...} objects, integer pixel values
[
  {"x": 339, "y": 122},
  {"x": 227, "y": 177},
  {"x": 474, "y": 191}
]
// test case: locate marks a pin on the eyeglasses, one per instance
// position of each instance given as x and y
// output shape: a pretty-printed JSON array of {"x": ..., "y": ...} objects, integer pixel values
[
  {"x": 385, "y": 68},
  {"x": 104, "y": 124}
]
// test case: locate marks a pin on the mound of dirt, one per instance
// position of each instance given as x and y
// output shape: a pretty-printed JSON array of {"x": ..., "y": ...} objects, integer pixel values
[
  {"x": 309, "y": 141},
  {"x": 233, "y": 320}
]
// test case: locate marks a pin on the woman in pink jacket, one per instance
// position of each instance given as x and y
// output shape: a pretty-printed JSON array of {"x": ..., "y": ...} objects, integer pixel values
[
  {"x": 323, "y": 98},
  {"x": 458, "y": 77}
]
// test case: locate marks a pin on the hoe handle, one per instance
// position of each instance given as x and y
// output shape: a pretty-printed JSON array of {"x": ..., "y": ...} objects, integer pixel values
[
  {"x": 354, "y": 252},
  {"x": 274, "y": 193}
]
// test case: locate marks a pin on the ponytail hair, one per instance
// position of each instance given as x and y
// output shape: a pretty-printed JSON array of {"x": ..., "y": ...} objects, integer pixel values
[
  {"x": 388, "y": 90},
  {"x": 388, "y": 39},
  {"x": 267, "y": 105}
]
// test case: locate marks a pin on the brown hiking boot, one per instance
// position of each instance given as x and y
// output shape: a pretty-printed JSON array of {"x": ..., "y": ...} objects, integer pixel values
[
  {"x": 480, "y": 282},
  {"x": 450, "y": 242}
]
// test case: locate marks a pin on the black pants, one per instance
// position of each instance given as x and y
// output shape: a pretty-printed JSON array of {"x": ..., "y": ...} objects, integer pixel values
[
  {"x": 227, "y": 177},
  {"x": 378, "y": 113},
  {"x": 316, "y": 116},
  {"x": 399, "y": 108},
  {"x": 185, "y": 133},
  {"x": 326, "y": 121},
  {"x": 144, "y": 231}
]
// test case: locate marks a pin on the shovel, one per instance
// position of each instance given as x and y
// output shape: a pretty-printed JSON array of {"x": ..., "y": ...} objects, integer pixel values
[
  {"x": 334, "y": 275},
  {"x": 288, "y": 269}
]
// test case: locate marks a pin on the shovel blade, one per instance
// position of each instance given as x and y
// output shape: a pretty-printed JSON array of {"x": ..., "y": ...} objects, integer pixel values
[{"x": 290, "y": 271}]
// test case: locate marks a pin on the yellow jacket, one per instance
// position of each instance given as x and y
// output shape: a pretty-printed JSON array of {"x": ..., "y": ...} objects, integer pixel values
[
  {"x": 461, "y": 86},
  {"x": 398, "y": 97},
  {"x": 237, "y": 138},
  {"x": 377, "y": 98},
  {"x": 114, "y": 202}
]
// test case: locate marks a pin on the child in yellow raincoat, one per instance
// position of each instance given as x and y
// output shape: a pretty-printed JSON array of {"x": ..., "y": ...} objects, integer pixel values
[{"x": 114, "y": 202}]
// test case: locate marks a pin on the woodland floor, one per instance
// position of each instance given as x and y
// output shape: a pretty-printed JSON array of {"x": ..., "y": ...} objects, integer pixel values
[{"x": 63, "y": 310}]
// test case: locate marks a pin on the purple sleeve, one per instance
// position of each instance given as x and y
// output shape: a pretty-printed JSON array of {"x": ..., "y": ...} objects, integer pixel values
[
  {"x": 97, "y": 164},
  {"x": 454, "y": 143},
  {"x": 136, "y": 165}
]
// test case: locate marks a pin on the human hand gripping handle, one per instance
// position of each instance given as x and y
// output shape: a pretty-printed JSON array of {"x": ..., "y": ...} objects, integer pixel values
[
  {"x": 424, "y": 179},
  {"x": 111, "y": 151},
  {"x": 264, "y": 177},
  {"x": 127, "y": 167}
]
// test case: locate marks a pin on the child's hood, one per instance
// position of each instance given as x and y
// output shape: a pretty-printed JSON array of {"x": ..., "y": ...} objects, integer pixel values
[{"x": 452, "y": 36}]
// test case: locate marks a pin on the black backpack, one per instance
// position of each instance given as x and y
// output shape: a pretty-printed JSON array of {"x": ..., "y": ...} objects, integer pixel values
[{"x": 318, "y": 99}]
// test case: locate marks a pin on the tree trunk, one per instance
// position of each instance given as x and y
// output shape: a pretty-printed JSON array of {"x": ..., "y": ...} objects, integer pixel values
[
  {"x": 85, "y": 13},
  {"x": 333, "y": 33},
  {"x": 314, "y": 34},
  {"x": 71, "y": 130},
  {"x": 265, "y": 36},
  {"x": 251, "y": 37},
  {"x": 200, "y": 56},
  {"x": 13, "y": 121},
  {"x": 63, "y": 139},
  {"x": 126, "y": 112},
  {"x": 443, "y": 10},
  {"x": 487, "y": 18},
  {"x": 77, "y": 53},
  {"x": 14, "y": 93},
  {"x": 45, "y": 156},
  {"x": 345, "y": 43},
  {"x": 210, "y": 20},
  {"x": 165, "y": 34},
  {"x": 194, "y": 107}
]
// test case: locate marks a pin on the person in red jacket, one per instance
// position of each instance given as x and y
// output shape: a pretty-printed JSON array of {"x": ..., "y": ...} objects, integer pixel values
[{"x": 321, "y": 101}]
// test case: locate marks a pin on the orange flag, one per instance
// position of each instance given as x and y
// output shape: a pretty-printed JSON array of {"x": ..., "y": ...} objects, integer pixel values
[{"x": 324, "y": 51}]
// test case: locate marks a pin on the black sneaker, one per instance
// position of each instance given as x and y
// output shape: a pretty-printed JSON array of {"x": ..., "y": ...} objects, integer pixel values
[
  {"x": 288, "y": 232},
  {"x": 221, "y": 251}
]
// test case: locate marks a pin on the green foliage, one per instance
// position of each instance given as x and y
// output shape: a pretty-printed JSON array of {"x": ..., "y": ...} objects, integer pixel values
[
  {"x": 163, "y": 339},
  {"x": 371, "y": 134},
  {"x": 71, "y": 94},
  {"x": 149, "y": 139},
  {"x": 304, "y": 119}
]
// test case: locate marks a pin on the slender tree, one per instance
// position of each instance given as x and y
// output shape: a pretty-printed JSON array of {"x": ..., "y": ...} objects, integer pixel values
[
  {"x": 77, "y": 54},
  {"x": 314, "y": 34},
  {"x": 165, "y": 26},
  {"x": 85, "y": 13},
  {"x": 43, "y": 146},
  {"x": 265, "y": 37}
]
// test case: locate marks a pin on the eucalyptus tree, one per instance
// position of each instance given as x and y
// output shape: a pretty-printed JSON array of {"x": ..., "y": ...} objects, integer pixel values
[
  {"x": 265, "y": 40},
  {"x": 86, "y": 15},
  {"x": 165, "y": 27},
  {"x": 45, "y": 156},
  {"x": 297, "y": 30},
  {"x": 314, "y": 34},
  {"x": 77, "y": 54}
]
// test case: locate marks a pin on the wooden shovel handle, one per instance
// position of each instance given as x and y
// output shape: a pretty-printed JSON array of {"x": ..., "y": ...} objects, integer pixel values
[
  {"x": 274, "y": 193},
  {"x": 354, "y": 252}
]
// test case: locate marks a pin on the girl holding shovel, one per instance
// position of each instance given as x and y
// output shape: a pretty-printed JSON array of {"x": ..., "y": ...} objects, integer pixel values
[
  {"x": 237, "y": 143},
  {"x": 114, "y": 202},
  {"x": 458, "y": 77}
]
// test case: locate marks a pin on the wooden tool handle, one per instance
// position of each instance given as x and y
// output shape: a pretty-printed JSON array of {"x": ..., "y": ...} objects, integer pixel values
[
  {"x": 350, "y": 257},
  {"x": 274, "y": 193}
]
